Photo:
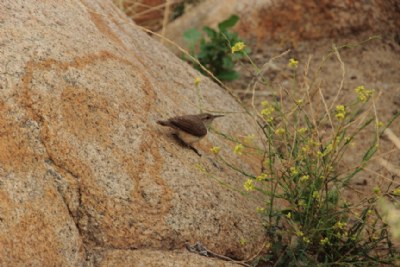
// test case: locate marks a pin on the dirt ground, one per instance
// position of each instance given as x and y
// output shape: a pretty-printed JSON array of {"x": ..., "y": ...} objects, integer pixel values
[{"x": 372, "y": 62}]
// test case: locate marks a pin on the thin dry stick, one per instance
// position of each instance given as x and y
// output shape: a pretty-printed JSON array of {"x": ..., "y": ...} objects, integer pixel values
[
  {"x": 392, "y": 137},
  {"x": 343, "y": 73},
  {"x": 312, "y": 111},
  {"x": 166, "y": 18},
  {"x": 326, "y": 107},
  {"x": 181, "y": 49},
  {"x": 260, "y": 74},
  {"x": 153, "y": 8},
  {"x": 381, "y": 176},
  {"x": 376, "y": 122},
  {"x": 381, "y": 155},
  {"x": 389, "y": 166}
]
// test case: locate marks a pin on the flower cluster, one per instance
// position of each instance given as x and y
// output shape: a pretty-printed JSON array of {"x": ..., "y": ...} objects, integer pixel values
[
  {"x": 238, "y": 47},
  {"x": 293, "y": 63},
  {"x": 340, "y": 112},
  {"x": 197, "y": 81},
  {"x": 267, "y": 111},
  {"x": 238, "y": 150},
  {"x": 363, "y": 94},
  {"x": 248, "y": 185},
  {"x": 215, "y": 149}
]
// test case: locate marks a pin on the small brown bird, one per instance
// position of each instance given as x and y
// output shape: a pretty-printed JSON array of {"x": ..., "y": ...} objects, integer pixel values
[{"x": 190, "y": 128}]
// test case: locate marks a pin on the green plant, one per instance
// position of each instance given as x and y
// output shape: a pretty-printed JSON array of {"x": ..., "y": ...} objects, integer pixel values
[
  {"x": 307, "y": 219},
  {"x": 214, "y": 50}
]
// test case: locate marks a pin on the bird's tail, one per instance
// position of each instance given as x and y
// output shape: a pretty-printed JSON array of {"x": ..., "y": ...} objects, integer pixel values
[{"x": 163, "y": 123}]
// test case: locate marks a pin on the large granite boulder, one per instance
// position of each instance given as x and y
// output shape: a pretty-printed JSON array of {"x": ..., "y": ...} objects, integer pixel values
[{"x": 86, "y": 174}]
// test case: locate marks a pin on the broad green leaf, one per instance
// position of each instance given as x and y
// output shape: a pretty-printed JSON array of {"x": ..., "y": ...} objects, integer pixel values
[
  {"x": 210, "y": 32},
  {"x": 229, "y": 23},
  {"x": 192, "y": 36},
  {"x": 228, "y": 75}
]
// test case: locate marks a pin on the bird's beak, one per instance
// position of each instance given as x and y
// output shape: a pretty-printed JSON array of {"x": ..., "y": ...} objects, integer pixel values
[{"x": 216, "y": 116}]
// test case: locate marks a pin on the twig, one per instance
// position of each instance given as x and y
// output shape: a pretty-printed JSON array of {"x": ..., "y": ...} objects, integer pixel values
[
  {"x": 166, "y": 18},
  {"x": 392, "y": 137},
  {"x": 389, "y": 166},
  {"x": 336, "y": 51},
  {"x": 203, "y": 251}
]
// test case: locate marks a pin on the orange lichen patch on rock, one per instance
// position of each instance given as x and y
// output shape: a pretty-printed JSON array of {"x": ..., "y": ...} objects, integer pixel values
[
  {"x": 147, "y": 169},
  {"x": 35, "y": 226},
  {"x": 87, "y": 114},
  {"x": 103, "y": 27},
  {"x": 124, "y": 222},
  {"x": 32, "y": 236},
  {"x": 16, "y": 152},
  {"x": 81, "y": 129}
]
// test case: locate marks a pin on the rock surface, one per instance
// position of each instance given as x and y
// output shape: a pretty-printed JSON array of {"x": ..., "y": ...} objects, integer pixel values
[
  {"x": 291, "y": 21},
  {"x": 87, "y": 177}
]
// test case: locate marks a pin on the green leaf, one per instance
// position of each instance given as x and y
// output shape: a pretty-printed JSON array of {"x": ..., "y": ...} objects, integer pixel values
[
  {"x": 229, "y": 23},
  {"x": 228, "y": 75},
  {"x": 227, "y": 63},
  {"x": 192, "y": 36},
  {"x": 210, "y": 32}
]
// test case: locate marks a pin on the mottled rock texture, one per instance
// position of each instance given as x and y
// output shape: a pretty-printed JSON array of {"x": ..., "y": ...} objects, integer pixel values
[
  {"x": 291, "y": 21},
  {"x": 86, "y": 174}
]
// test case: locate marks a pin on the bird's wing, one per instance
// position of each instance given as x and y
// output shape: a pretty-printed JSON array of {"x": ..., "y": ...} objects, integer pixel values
[{"x": 189, "y": 124}]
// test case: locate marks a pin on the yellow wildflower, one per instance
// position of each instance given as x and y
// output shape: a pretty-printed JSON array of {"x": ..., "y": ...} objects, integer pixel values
[
  {"x": 315, "y": 195},
  {"x": 293, "y": 63},
  {"x": 301, "y": 203},
  {"x": 299, "y": 233},
  {"x": 239, "y": 46},
  {"x": 294, "y": 171},
  {"x": 302, "y": 130},
  {"x": 248, "y": 185},
  {"x": 197, "y": 81},
  {"x": 215, "y": 149},
  {"x": 304, "y": 178},
  {"x": 260, "y": 210},
  {"x": 396, "y": 192},
  {"x": 261, "y": 177},
  {"x": 305, "y": 149},
  {"x": 340, "y": 112},
  {"x": 238, "y": 150},
  {"x": 377, "y": 191},
  {"x": 324, "y": 241},
  {"x": 267, "y": 113},
  {"x": 340, "y": 225},
  {"x": 289, "y": 215},
  {"x": 328, "y": 149},
  {"x": 279, "y": 131},
  {"x": 306, "y": 240},
  {"x": 363, "y": 94},
  {"x": 248, "y": 139},
  {"x": 299, "y": 102},
  {"x": 379, "y": 124}
]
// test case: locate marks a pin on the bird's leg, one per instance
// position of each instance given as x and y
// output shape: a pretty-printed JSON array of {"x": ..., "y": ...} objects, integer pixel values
[
  {"x": 186, "y": 145},
  {"x": 195, "y": 150}
]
